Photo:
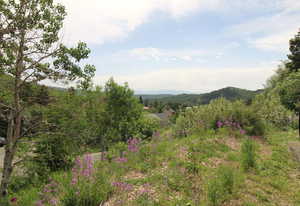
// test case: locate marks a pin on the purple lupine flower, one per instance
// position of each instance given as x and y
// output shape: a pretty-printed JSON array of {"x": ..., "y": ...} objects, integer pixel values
[
  {"x": 121, "y": 159},
  {"x": 74, "y": 181},
  {"x": 53, "y": 201},
  {"x": 122, "y": 186},
  {"x": 219, "y": 124},
  {"x": 13, "y": 200},
  {"x": 133, "y": 144},
  {"x": 242, "y": 131}
]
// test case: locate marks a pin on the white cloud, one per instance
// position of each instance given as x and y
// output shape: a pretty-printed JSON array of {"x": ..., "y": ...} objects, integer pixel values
[
  {"x": 97, "y": 21},
  {"x": 166, "y": 55},
  {"x": 273, "y": 31},
  {"x": 276, "y": 42},
  {"x": 194, "y": 79}
]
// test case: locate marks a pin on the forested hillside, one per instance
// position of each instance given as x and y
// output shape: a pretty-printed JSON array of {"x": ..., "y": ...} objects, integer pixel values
[{"x": 230, "y": 93}]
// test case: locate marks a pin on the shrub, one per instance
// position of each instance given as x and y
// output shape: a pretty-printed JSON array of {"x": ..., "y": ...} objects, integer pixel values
[
  {"x": 148, "y": 126},
  {"x": 235, "y": 117},
  {"x": 268, "y": 106},
  {"x": 248, "y": 154},
  {"x": 54, "y": 153}
]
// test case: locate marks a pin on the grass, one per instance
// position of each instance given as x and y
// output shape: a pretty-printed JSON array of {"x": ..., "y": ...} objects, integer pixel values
[{"x": 196, "y": 171}]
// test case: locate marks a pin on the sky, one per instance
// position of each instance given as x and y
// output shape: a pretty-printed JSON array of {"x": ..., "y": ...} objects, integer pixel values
[{"x": 184, "y": 45}]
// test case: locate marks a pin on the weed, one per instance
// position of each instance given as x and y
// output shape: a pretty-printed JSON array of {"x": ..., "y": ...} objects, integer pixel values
[{"x": 248, "y": 154}]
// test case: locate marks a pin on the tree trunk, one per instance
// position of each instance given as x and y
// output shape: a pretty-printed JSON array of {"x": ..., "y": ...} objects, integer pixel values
[
  {"x": 8, "y": 158},
  {"x": 14, "y": 123},
  {"x": 13, "y": 133}
]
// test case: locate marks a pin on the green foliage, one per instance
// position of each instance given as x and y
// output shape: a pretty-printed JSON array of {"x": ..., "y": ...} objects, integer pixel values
[
  {"x": 145, "y": 200},
  {"x": 235, "y": 116},
  {"x": 289, "y": 91},
  {"x": 46, "y": 19},
  {"x": 147, "y": 126},
  {"x": 248, "y": 154},
  {"x": 88, "y": 193},
  {"x": 224, "y": 185},
  {"x": 54, "y": 156},
  {"x": 226, "y": 175},
  {"x": 268, "y": 106},
  {"x": 214, "y": 192},
  {"x": 294, "y": 57},
  {"x": 122, "y": 112},
  {"x": 70, "y": 124},
  {"x": 229, "y": 93}
]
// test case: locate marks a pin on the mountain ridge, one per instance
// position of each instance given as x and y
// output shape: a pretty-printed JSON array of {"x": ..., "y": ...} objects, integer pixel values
[{"x": 230, "y": 93}]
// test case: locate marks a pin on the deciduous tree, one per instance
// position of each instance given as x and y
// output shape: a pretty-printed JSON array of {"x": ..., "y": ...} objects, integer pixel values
[{"x": 30, "y": 51}]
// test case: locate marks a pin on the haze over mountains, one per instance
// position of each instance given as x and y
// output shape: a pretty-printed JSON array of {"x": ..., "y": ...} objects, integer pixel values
[{"x": 230, "y": 93}]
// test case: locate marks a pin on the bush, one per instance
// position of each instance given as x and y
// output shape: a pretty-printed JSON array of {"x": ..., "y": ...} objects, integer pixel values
[
  {"x": 148, "y": 126},
  {"x": 269, "y": 108},
  {"x": 248, "y": 154},
  {"x": 235, "y": 117},
  {"x": 54, "y": 153}
]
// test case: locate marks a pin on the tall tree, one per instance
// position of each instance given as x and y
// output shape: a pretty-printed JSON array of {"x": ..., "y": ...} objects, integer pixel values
[
  {"x": 141, "y": 100},
  {"x": 289, "y": 91},
  {"x": 287, "y": 79},
  {"x": 122, "y": 111},
  {"x": 294, "y": 57},
  {"x": 30, "y": 51}
]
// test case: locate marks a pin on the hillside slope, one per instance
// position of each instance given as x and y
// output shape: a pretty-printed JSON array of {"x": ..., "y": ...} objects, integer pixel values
[{"x": 199, "y": 170}]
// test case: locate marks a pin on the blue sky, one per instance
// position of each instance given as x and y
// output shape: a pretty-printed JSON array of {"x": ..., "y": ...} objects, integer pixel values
[{"x": 186, "y": 45}]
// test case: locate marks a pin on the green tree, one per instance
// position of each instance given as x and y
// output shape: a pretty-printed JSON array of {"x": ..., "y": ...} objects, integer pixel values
[
  {"x": 141, "y": 100},
  {"x": 286, "y": 81},
  {"x": 289, "y": 91},
  {"x": 294, "y": 57},
  {"x": 30, "y": 52},
  {"x": 122, "y": 112},
  {"x": 289, "y": 86}
]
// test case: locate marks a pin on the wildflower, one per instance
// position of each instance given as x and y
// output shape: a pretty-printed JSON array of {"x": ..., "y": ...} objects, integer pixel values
[
  {"x": 219, "y": 124},
  {"x": 242, "y": 131},
  {"x": 13, "y": 200},
  {"x": 74, "y": 181},
  {"x": 122, "y": 186},
  {"x": 53, "y": 201},
  {"x": 121, "y": 159},
  {"x": 133, "y": 144}
]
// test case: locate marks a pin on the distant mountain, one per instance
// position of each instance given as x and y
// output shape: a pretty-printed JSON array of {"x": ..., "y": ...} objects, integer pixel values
[
  {"x": 154, "y": 96},
  {"x": 230, "y": 93},
  {"x": 160, "y": 92}
]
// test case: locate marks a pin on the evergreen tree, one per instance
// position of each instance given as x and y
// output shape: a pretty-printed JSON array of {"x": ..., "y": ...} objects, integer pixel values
[
  {"x": 294, "y": 58},
  {"x": 141, "y": 100},
  {"x": 289, "y": 83}
]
